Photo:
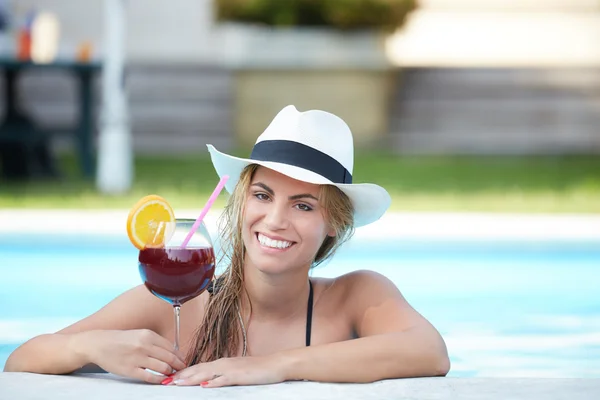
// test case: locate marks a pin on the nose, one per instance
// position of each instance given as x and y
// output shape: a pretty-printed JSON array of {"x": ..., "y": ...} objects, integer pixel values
[{"x": 276, "y": 217}]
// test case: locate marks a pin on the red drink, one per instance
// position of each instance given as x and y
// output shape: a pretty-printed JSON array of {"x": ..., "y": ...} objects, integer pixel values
[{"x": 177, "y": 275}]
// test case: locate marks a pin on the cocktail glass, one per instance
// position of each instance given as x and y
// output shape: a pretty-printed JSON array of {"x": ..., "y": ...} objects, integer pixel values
[{"x": 174, "y": 273}]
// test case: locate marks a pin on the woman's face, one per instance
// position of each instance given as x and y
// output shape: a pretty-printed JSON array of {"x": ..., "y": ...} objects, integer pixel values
[{"x": 283, "y": 225}]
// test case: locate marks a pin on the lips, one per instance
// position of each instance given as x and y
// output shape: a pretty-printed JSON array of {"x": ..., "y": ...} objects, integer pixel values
[{"x": 273, "y": 243}]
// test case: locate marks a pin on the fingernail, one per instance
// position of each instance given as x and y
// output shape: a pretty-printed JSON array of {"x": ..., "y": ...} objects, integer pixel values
[
  {"x": 204, "y": 384},
  {"x": 167, "y": 381}
]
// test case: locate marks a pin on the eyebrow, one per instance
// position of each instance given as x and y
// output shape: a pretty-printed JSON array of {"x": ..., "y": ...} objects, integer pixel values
[{"x": 294, "y": 197}]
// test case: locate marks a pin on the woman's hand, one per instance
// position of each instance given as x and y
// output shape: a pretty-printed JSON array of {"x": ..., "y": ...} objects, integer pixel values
[
  {"x": 231, "y": 372},
  {"x": 129, "y": 353}
]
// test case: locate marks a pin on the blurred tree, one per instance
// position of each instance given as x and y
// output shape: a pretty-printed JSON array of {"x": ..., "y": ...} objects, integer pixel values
[
  {"x": 340, "y": 14},
  {"x": 318, "y": 64}
]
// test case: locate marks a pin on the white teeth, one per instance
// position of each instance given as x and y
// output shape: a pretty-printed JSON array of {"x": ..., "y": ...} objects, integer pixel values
[{"x": 277, "y": 244}]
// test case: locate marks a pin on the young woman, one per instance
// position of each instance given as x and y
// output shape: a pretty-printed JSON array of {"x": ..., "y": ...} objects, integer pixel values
[{"x": 265, "y": 319}]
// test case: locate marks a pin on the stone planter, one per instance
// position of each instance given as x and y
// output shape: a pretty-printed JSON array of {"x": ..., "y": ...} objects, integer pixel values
[{"x": 346, "y": 74}]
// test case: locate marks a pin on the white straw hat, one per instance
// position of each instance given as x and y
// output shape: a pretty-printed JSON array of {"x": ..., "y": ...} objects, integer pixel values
[{"x": 313, "y": 146}]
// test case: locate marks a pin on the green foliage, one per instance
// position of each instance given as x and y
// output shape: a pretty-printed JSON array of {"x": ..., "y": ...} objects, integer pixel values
[
  {"x": 340, "y": 14},
  {"x": 549, "y": 184}
]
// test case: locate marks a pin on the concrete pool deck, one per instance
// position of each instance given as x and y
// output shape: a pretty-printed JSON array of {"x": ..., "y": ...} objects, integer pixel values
[
  {"x": 105, "y": 386},
  {"x": 455, "y": 226}
]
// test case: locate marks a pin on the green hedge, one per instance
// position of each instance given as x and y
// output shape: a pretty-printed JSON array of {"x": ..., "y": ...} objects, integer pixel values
[{"x": 340, "y": 14}]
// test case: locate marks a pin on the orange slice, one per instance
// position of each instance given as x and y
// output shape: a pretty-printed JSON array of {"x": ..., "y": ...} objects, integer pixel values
[{"x": 143, "y": 222}]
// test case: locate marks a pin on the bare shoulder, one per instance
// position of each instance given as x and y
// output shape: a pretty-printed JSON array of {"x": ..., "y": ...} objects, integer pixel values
[
  {"x": 365, "y": 277},
  {"x": 374, "y": 304},
  {"x": 355, "y": 285},
  {"x": 136, "y": 308},
  {"x": 357, "y": 280}
]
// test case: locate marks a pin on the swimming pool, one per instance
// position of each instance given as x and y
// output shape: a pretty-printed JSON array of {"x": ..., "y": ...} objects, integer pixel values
[{"x": 505, "y": 308}]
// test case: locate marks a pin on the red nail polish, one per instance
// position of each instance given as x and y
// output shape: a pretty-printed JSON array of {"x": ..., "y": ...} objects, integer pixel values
[
  {"x": 203, "y": 384},
  {"x": 167, "y": 381}
]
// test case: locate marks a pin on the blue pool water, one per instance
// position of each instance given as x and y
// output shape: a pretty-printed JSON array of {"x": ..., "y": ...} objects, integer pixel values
[{"x": 504, "y": 309}]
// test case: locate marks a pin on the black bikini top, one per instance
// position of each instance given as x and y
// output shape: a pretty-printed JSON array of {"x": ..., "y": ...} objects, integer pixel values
[{"x": 309, "y": 309}]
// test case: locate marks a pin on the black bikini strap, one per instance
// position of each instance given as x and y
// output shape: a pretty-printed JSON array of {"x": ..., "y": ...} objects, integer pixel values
[{"x": 309, "y": 313}]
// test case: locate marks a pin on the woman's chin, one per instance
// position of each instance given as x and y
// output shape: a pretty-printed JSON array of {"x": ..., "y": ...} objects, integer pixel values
[{"x": 270, "y": 265}]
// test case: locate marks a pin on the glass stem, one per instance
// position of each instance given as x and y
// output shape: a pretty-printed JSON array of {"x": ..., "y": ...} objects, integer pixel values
[{"x": 176, "y": 309}]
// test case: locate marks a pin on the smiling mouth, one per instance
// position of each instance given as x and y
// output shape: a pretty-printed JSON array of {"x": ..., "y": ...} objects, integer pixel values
[{"x": 273, "y": 244}]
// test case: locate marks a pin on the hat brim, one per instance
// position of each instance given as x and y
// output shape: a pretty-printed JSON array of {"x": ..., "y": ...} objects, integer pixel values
[{"x": 370, "y": 201}]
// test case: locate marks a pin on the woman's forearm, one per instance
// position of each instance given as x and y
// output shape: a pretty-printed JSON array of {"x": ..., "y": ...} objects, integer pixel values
[
  {"x": 413, "y": 353},
  {"x": 50, "y": 354}
]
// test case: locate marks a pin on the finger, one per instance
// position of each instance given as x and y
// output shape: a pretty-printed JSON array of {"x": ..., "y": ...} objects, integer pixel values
[
  {"x": 166, "y": 356},
  {"x": 157, "y": 366},
  {"x": 179, "y": 354},
  {"x": 147, "y": 376},
  {"x": 198, "y": 369},
  {"x": 160, "y": 341},
  {"x": 163, "y": 343},
  {"x": 219, "y": 381},
  {"x": 194, "y": 379}
]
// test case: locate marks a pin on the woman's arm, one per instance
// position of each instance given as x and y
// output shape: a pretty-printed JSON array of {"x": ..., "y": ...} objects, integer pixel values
[
  {"x": 49, "y": 354},
  {"x": 102, "y": 335},
  {"x": 415, "y": 352},
  {"x": 394, "y": 340}
]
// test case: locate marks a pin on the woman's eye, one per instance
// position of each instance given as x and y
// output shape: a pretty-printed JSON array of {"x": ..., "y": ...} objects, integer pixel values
[
  {"x": 304, "y": 207},
  {"x": 261, "y": 196}
]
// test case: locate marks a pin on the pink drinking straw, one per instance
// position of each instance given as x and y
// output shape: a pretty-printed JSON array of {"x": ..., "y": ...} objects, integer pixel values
[{"x": 209, "y": 203}]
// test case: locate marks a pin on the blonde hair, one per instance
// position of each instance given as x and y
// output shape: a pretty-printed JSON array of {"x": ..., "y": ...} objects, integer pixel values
[{"x": 219, "y": 333}]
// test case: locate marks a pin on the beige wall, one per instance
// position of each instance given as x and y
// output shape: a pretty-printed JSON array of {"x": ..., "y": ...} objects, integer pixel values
[
  {"x": 177, "y": 31},
  {"x": 463, "y": 33},
  {"x": 510, "y": 33}
]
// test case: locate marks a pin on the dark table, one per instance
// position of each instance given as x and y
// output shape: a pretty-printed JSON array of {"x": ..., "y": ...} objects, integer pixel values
[{"x": 24, "y": 148}]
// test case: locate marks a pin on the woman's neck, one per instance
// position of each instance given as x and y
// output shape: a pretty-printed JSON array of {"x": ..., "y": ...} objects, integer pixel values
[{"x": 275, "y": 297}]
